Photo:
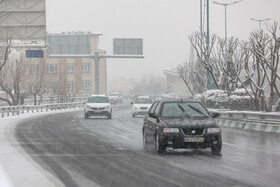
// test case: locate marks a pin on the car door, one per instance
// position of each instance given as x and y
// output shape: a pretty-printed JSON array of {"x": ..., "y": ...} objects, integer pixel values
[
  {"x": 149, "y": 121},
  {"x": 153, "y": 121}
]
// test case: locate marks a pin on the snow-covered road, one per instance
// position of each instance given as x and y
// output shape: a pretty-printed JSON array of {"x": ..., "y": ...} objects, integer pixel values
[{"x": 16, "y": 167}]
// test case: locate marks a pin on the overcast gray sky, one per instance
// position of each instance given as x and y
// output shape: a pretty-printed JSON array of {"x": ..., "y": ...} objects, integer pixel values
[{"x": 164, "y": 26}]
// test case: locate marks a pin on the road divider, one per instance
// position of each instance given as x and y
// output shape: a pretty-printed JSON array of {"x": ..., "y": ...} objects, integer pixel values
[{"x": 257, "y": 121}]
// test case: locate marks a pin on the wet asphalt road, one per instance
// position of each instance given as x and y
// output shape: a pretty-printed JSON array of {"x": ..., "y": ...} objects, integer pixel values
[{"x": 101, "y": 152}]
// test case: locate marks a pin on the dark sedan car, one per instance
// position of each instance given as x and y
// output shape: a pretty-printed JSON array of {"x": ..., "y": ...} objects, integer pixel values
[{"x": 181, "y": 124}]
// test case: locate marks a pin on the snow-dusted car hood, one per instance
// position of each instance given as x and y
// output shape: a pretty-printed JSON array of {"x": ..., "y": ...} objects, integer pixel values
[
  {"x": 187, "y": 122},
  {"x": 98, "y": 104}
]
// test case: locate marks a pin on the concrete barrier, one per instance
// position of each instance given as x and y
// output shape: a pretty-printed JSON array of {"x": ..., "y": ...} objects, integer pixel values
[{"x": 257, "y": 121}]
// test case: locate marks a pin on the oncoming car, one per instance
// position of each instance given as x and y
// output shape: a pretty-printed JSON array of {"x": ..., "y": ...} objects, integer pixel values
[
  {"x": 98, "y": 105},
  {"x": 141, "y": 105},
  {"x": 181, "y": 124}
]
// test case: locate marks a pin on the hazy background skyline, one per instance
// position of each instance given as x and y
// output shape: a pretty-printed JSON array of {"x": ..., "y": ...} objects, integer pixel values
[{"x": 164, "y": 26}]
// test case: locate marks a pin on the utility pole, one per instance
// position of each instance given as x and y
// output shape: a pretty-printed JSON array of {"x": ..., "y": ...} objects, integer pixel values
[{"x": 260, "y": 21}]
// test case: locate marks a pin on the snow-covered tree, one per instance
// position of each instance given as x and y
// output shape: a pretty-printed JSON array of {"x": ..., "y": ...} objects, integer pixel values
[
  {"x": 13, "y": 79},
  {"x": 204, "y": 52},
  {"x": 194, "y": 76},
  {"x": 149, "y": 84},
  {"x": 262, "y": 64}
]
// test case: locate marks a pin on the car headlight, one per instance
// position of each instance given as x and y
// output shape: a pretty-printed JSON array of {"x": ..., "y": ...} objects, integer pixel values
[
  {"x": 214, "y": 130},
  {"x": 88, "y": 107},
  {"x": 107, "y": 107},
  {"x": 170, "y": 130},
  {"x": 135, "y": 108}
]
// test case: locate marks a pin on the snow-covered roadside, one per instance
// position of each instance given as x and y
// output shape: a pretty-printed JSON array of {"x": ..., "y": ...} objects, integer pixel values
[{"x": 16, "y": 167}]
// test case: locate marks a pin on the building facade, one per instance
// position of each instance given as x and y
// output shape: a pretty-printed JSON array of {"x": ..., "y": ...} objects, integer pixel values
[{"x": 67, "y": 72}]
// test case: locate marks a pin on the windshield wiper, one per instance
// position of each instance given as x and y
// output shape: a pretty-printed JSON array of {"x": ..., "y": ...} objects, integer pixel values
[
  {"x": 183, "y": 110},
  {"x": 197, "y": 110}
]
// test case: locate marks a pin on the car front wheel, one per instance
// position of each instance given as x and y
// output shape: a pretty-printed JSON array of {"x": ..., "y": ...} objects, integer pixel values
[
  {"x": 86, "y": 116},
  {"x": 110, "y": 116},
  {"x": 216, "y": 149},
  {"x": 145, "y": 141},
  {"x": 159, "y": 147}
]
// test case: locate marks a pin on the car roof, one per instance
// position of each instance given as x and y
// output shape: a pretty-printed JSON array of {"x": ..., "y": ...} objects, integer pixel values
[
  {"x": 143, "y": 96},
  {"x": 98, "y": 95},
  {"x": 179, "y": 100}
]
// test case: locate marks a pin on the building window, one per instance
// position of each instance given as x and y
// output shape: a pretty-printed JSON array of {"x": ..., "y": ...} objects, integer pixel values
[
  {"x": 86, "y": 85},
  {"x": 70, "y": 86},
  {"x": 34, "y": 68},
  {"x": 70, "y": 68},
  {"x": 52, "y": 68},
  {"x": 86, "y": 68}
]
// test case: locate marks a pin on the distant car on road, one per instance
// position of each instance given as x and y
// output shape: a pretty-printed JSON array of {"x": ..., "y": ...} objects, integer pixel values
[
  {"x": 141, "y": 105},
  {"x": 115, "y": 97},
  {"x": 98, "y": 105},
  {"x": 181, "y": 124}
]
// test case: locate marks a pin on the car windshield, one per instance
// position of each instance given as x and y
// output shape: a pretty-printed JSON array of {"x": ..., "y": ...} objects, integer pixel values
[
  {"x": 98, "y": 100},
  {"x": 143, "y": 101},
  {"x": 179, "y": 110}
]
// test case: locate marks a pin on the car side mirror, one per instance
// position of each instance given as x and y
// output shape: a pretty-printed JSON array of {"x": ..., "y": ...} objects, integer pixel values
[
  {"x": 215, "y": 115},
  {"x": 131, "y": 103},
  {"x": 152, "y": 115}
]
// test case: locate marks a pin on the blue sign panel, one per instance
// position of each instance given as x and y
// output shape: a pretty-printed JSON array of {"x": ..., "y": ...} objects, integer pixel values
[{"x": 34, "y": 54}]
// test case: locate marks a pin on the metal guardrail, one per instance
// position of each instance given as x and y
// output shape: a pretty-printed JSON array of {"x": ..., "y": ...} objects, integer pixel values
[
  {"x": 257, "y": 121},
  {"x": 17, "y": 110},
  {"x": 258, "y": 117}
]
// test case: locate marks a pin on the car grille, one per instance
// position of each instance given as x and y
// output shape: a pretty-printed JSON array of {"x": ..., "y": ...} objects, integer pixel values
[
  {"x": 143, "y": 108},
  {"x": 97, "y": 108},
  {"x": 193, "y": 131}
]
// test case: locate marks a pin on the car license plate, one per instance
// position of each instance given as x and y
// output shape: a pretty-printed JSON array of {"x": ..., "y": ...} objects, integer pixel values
[
  {"x": 195, "y": 139},
  {"x": 97, "y": 111}
]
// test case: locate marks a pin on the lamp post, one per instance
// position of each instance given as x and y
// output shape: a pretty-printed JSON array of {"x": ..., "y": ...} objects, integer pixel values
[
  {"x": 225, "y": 5},
  {"x": 260, "y": 21}
]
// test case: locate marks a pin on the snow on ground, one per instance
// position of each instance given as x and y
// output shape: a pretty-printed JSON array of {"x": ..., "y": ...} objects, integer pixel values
[{"x": 16, "y": 167}]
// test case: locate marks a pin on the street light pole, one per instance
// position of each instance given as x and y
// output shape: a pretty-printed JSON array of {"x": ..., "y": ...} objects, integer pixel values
[
  {"x": 225, "y": 5},
  {"x": 260, "y": 21},
  {"x": 201, "y": 31},
  {"x": 207, "y": 45}
]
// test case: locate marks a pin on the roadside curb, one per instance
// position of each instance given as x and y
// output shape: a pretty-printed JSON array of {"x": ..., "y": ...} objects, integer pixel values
[{"x": 270, "y": 128}]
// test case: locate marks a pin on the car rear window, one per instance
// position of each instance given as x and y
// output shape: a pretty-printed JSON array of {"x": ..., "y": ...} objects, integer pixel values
[
  {"x": 98, "y": 99},
  {"x": 143, "y": 101}
]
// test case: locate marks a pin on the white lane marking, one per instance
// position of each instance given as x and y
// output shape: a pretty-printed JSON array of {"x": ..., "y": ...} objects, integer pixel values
[
  {"x": 77, "y": 155},
  {"x": 250, "y": 149},
  {"x": 93, "y": 134}
]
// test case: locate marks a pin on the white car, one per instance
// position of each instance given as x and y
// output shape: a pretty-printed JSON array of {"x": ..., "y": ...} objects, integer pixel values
[
  {"x": 141, "y": 105},
  {"x": 98, "y": 105}
]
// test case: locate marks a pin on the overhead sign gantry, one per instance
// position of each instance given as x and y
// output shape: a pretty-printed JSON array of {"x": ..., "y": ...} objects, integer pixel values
[{"x": 23, "y": 20}]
